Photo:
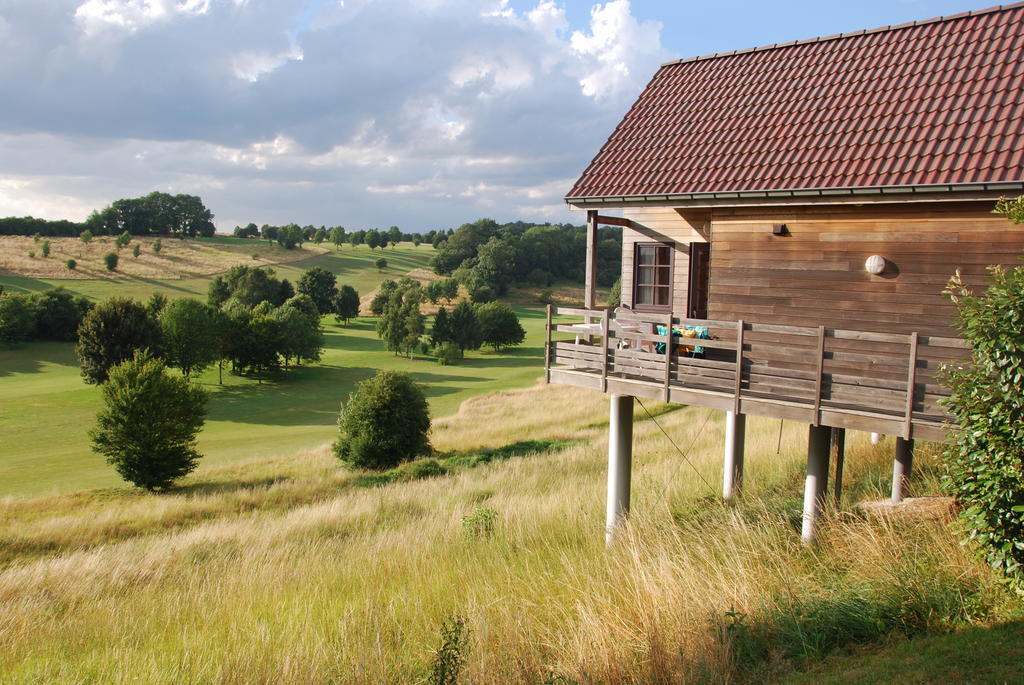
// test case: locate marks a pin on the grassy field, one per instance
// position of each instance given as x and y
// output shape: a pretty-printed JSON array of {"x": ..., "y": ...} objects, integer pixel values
[
  {"x": 198, "y": 260},
  {"x": 46, "y": 409},
  {"x": 283, "y": 570}
]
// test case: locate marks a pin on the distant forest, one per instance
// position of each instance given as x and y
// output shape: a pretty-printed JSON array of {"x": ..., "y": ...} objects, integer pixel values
[{"x": 154, "y": 214}]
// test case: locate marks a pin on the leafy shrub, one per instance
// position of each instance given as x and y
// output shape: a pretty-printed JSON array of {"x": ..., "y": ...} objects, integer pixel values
[
  {"x": 136, "y": 250},
  {"x": 71, "y": 264},
  {"x": 383, "y": 423},
  {"x": 418, "y": 469},
  {"x": 110, "y": 261},
  {"x": 447, "y": 353},
  {"x": 148, "y": 425},
  {"x": 615, "y": 294},
  {"x": 45, "y": 249},
  {"x": 984, "y": 460},
  {"x": 59, "y": 313},
  {"x": 32, "y": 254},
  {"x": 85, "y": 236},
  {"x": 451, "y": 656},
  {"x": 17, "y": 318},
  {"x": 480, "y": 524},
  {"x": 483, "y": 294},
  {"x": 111, "y": 333},
  {"x": 157, "y": 245}
]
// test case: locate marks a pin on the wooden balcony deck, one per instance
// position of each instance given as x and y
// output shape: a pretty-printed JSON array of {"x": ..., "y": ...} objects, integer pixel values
[{"x": 877, "y": 382}]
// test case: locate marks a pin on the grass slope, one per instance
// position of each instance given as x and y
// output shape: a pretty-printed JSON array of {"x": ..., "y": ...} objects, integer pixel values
[
  {"x": 44, "y": 401},
  {"x": 284, "y": 571}
]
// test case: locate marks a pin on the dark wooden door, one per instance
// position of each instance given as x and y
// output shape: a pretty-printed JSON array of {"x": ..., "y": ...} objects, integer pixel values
[{"x": 700, "y": 271}]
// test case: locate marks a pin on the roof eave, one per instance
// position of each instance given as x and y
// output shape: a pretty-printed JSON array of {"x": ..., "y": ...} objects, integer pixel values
[{"x": 854, "y": 195}]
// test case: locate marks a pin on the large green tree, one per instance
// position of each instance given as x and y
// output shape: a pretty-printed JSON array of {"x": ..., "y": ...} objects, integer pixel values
[
  {"x": 189, "y": 335},
  {"x": 346, "y": 304},
  {"x": 321, "y": 286},
  {"x": 499, "y": 326},
  {"x": 111, "y": 333},
  {"x": 17, "y": 317},
  {"x": 59, "y": 313},
  {"x": 148, "y": 424},
  {"x": 465, "y": 328}
]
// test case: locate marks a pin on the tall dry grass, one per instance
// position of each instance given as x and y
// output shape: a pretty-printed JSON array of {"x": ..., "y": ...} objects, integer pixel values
[
  {"x": 176, "y": 259},
  {"x": 309, "y": 584}
]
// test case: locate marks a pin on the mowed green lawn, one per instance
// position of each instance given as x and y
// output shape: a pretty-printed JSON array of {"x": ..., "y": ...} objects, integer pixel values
[{"x": 46, "y": 410}]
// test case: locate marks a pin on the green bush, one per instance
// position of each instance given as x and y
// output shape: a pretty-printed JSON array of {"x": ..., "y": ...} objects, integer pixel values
[
  {"x": 71, "y": 264},
  {"x": 384, "y": 423},
  {"x": 45, "y": 249},
  {"x": 111, "y": 333},
  {"x": 984, "y": 460},
  {"x": 447, "y": 353},
  {"x": 17, "y": 318},
  {"x": 148, "y": 424},
  {"x": 157, "y": 245},
  {"x": 110, "y": 261}
]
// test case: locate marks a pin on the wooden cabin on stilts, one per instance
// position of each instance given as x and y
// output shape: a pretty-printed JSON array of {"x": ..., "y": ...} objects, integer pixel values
[{"x": 791, "y": 215}]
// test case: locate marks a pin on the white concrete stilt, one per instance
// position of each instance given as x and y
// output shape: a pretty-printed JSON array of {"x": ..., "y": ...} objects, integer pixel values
[
  {"x": 902, "y": 464},
  {"x": 732, "y": 471},
  {"x": 620, "y": 463},
  {"x": 819, "y": 439},
  {"x": 876, "y": 438}
]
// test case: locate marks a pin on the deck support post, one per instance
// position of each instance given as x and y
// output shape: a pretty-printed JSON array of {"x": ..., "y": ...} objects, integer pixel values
[
  {"x": 902, "y": 463},
  {"x": 590, "y": 276},
  {"x": 839, "y": 454},
  {"x": 876, "y": 438},
  {"x": 732, "y": 470},
  {"x": 620, "y": 463},
  {"x": 819, "y": 441}
]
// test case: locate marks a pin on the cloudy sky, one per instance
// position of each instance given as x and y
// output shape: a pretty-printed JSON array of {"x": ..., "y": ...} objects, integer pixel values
[{"x": 420, "y": 113}]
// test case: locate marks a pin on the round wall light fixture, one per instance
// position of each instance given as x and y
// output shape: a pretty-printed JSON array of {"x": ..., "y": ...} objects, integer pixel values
[{"x": 875, "y": 264}]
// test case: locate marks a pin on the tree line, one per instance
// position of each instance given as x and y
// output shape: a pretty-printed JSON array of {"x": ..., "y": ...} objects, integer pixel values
[
  {"x": 153, "y": 214},
  {"x": 402, "y": 326},
  {"x": 487, "y": 257}
]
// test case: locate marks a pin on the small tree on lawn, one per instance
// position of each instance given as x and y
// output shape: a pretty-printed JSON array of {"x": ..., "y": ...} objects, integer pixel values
[
  {"x": 346, "y": 304},
  {"x": 441, "y": 331},
  {"x": 381, "y": 264},
  {"x": 465, "y": 328},
  {"x": 45, "y": 249},
  {"x": 123, "y": 240},
  {"x": 85, "y": 236},
  {"x": 148, "y": 424},
  {"x": 499, "y": 326},
  {"x": 321, "y": 285},
  {"x": 383, "y": 423},
  {"x": 110, "y": 261},
  {"x": 985, "y": 460},
  {"x": 157, "y": 245}
]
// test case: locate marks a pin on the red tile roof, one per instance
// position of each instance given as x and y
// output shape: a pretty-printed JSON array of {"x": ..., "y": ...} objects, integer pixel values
[{"x": 932, "y": 102}]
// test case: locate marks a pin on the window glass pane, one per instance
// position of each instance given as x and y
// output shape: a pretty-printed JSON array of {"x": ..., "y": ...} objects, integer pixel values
[
  {"x": 661, "y": 296},
  {"x": 664, "y": 255},
  {"x": 646, "y": 254},
  {"x": 662, "y": 275},
  {"x": 644, "y": 296},
  {"x": 645, "y": 275}
]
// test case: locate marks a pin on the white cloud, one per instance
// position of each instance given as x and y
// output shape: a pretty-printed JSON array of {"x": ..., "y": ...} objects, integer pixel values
[
  {"x": 620, "y": 48},
  {"x": 422, "y": 113},
  {"x": 250, "y": 66},
  {"x": 130, "y": 15}
]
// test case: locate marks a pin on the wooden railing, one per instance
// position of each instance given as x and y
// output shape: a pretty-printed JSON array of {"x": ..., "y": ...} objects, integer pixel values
[{"x": 882, "y": 382}]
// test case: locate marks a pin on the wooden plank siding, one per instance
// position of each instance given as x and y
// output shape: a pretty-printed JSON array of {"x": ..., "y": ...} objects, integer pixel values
[
  {"x": 815, "y": 274},
  {"x": 661, "y": 224}
]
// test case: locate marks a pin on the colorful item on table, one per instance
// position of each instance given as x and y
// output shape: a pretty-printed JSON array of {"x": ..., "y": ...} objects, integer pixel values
[{"x": 698, "y": 332}]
